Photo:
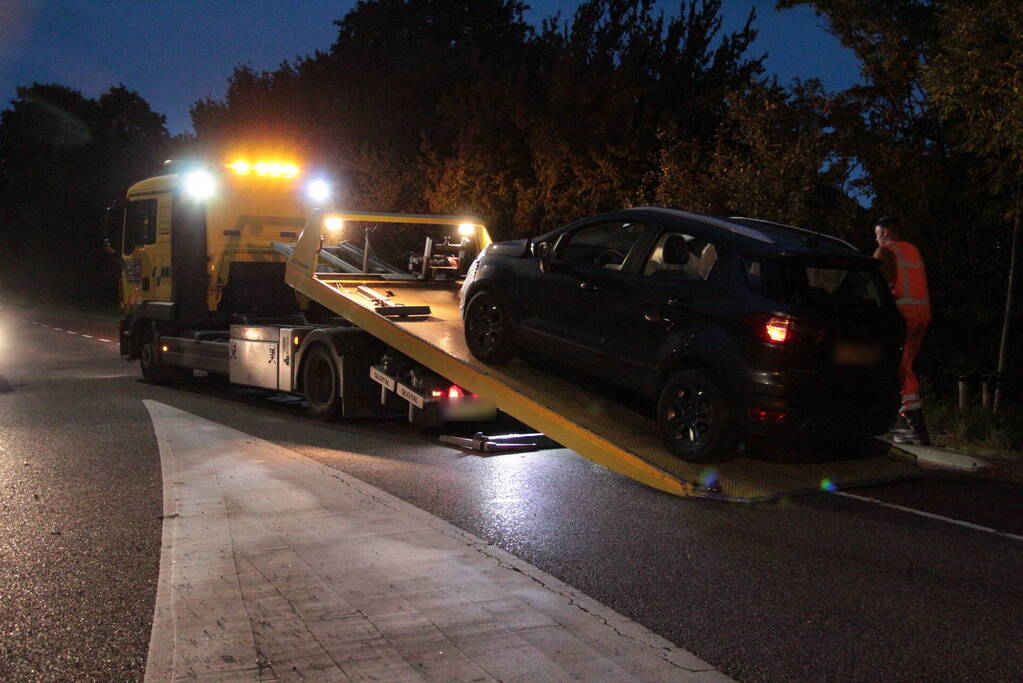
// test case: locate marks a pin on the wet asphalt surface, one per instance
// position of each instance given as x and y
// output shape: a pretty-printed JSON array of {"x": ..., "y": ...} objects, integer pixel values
[{"x": 813, "y": 588}]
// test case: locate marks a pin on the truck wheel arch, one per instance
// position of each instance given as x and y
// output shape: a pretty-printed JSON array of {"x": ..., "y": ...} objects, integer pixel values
[{"x": 339, "y": 341}]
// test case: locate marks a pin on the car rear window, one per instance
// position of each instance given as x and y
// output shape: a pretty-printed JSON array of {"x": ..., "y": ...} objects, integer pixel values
[{"x": 824, "y": 284}]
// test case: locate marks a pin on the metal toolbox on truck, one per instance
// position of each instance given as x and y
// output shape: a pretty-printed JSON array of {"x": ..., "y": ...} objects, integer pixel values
[{"x": 264, "y": 356}]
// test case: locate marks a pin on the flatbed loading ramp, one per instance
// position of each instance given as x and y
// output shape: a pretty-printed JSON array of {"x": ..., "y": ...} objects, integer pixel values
[{"x": 594, "y": 427}]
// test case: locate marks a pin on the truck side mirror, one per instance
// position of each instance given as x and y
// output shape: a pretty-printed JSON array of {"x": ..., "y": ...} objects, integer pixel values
[
  {"x": 113, "y": 228},
  {"x": 544, "y": 252}
]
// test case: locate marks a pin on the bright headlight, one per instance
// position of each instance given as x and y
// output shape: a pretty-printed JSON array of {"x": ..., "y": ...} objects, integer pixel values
[
  {"x": 200, "y": 185},
  {"x": 319, "y": 190}
]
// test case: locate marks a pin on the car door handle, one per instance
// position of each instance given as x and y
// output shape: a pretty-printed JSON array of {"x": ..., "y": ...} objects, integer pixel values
[{"x": 588, "y": 287}]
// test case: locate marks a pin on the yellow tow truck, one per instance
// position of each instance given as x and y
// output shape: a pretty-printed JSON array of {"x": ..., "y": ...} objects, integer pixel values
[
  {"x": 202, "y": 287},
  {"x": 245, "y": 271}
]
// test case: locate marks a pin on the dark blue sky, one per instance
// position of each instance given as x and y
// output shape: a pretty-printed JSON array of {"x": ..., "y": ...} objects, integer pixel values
[{"x": 175, "y": 51}]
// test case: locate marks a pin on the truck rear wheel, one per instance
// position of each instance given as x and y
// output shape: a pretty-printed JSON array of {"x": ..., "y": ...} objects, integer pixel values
[{"x": 321, "y": 383}]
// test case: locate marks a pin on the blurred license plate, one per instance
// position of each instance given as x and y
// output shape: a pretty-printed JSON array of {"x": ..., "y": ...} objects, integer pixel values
[{"x": 857, "y": 353}]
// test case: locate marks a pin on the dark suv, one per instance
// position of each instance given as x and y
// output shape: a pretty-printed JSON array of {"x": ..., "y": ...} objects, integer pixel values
[{"x": 731, "y": 324}]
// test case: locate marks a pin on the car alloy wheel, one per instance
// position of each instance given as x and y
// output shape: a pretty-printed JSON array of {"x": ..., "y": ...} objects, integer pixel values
[
  {"x": 488, "y": 328},
  {"x": 692, "y": 416}
]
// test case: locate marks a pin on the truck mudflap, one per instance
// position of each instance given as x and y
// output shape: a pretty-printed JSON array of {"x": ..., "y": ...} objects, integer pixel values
[{"x": 593, "y": 426}]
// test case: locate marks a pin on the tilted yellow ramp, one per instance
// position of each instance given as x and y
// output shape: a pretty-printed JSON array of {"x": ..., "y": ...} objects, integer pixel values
[{"x": 594, "y": 427}]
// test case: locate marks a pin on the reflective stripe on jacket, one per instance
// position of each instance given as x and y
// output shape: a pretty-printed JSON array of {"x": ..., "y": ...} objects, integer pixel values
[{"x": 910, "y": 287}]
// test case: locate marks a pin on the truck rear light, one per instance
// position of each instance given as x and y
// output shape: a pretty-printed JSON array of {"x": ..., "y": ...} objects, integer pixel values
[{"x": 452, "y": 393}]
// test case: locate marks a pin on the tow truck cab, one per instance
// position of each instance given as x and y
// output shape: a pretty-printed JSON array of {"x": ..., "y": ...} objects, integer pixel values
[{"x": 196, "y": 248}]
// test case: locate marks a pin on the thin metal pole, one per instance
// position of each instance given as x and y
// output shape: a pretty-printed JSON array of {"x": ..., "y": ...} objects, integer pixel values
[
  {"x": 1003, "y": 348},
  {"x": 365, "y": 253}
]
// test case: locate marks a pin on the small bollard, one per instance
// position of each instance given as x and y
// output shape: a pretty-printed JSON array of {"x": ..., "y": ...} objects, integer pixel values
[
  {"x": 964, "y": 392},
  {"x": 986, "y": 384}
]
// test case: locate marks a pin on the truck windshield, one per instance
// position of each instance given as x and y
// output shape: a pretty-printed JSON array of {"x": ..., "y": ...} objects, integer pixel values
[{"x": 820, "y": 283}]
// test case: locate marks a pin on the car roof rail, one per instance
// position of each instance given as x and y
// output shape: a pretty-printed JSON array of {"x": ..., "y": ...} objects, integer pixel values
[
  {"x": 724, "y": 224},
  {"x": 805, "y": 231}
]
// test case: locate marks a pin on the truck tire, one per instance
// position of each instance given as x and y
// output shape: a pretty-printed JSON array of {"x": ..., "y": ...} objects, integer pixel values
[
  {"x": 321, "y": 383},
  {"x": 693, "y": 417},
  {"x": 155, "y": 372},
  {"x": 488, "y": 328}
]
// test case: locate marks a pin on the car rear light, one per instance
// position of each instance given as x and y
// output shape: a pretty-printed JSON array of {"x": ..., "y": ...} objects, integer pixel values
[
  {"x": 455, "y": 392},
  {"x": 777, "y": 330},
  {"x": 771, "y": 329},
  {"x": 768, "y": 416},
  {"x": 436, "y": 393}
]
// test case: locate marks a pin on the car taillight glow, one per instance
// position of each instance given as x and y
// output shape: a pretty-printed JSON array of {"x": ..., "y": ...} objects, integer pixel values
[
  {"x": 436, "y": 393},
  {"x": 776, "y": 330},
  {"x": 772, "y": 416},
  {"x": 455, "y": 391}
]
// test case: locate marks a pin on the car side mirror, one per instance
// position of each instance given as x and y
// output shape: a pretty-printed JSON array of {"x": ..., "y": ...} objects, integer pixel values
[{"x": 544, "y": 252}]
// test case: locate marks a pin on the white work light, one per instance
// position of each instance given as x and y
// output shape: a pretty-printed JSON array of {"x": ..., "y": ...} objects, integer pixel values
[
  {"x": 333, "y": 223},
  {"x": 466, "y": 229},
  {"x": 200, "y": 185},
  {"x": 319, "y": 190}
]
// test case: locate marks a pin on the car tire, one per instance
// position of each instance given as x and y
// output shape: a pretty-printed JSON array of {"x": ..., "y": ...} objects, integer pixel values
[
  {"x": 488, "y": 328},
  {"x": 693, "y": 417},
  {"x": 321, "y": 384}
]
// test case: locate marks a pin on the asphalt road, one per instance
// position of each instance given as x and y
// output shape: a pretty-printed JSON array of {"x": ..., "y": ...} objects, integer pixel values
[{"x": 814, "y": 588}]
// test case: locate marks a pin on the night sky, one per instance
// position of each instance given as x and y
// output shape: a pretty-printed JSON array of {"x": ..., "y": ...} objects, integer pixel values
[{"x": 174, "y": 52}]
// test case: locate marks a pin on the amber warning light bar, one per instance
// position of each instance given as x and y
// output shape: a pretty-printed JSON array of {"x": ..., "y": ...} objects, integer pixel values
[{"x": 267, "y": 169}]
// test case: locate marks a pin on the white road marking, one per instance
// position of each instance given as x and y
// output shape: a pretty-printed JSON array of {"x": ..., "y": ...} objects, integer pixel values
[
  {"x": 80, "y": 334},
  {"x": 930, "y": 515},
  {"x": 273, "y": 565}
]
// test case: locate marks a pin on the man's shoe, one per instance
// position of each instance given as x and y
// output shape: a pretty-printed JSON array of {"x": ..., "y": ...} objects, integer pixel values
[
  {"x": 917, "y": 433},
  {"x": 901, "y": 427}
]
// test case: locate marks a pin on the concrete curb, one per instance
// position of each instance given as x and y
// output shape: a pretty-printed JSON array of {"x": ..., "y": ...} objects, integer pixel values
[{"x": 945, "y": 458}]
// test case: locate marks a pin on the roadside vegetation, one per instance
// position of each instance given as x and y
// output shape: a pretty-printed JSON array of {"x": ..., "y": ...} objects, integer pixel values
[
  {"x": 976, "y": 430},
  {"x": 453, "y": 106}
]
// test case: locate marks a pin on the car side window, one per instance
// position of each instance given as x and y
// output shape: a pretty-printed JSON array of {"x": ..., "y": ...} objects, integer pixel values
[
  {"x": 604, "y": 245},
  {"x": 680, "y": 255}
]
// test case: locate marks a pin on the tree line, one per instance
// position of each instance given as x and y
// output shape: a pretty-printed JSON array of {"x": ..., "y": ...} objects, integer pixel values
[{"x": 463, "y": 106}]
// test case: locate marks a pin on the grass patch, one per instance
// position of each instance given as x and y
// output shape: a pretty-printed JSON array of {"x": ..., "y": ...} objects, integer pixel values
[{"x": 976, "y": 430}]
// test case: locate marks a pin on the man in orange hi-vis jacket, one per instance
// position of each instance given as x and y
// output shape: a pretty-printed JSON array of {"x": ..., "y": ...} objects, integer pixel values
[{"x": 903, "y": 269}]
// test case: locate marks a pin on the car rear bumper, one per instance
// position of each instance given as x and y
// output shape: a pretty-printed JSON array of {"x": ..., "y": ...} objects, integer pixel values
[{"x": 847, "y": 407}]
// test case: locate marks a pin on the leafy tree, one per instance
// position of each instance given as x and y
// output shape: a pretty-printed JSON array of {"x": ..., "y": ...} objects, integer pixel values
[
  {"x": 773, "y": 156},
  {"x": 63, "y": 157},
  {"x": 913, "y": 165},
  {"x": 975, "y": 77}
]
